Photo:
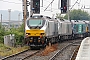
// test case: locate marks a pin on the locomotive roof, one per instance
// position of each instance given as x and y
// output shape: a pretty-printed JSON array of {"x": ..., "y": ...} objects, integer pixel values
[
  {"x": 77, "y": 22},
  {"x": 64, "y": 21},
  {"x": 38, "y": 17},
  {"x": 86, "y": 21}
]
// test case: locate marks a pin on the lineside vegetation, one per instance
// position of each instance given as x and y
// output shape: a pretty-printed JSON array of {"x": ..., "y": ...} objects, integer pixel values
[{"x": 19, "y": 33}]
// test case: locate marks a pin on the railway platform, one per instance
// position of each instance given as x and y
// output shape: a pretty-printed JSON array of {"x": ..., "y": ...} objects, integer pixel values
[{"x": 84, "y": 50}]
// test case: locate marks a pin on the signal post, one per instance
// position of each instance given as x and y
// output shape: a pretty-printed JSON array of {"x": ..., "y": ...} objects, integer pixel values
[{"x": 65, "y": 7}]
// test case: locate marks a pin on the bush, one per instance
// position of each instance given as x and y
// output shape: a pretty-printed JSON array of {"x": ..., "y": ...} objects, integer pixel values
[{"x": 19, "y": 34}]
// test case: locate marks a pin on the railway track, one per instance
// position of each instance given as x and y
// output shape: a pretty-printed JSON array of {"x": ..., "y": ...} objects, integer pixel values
[
  {"x": 21, "y": 55},
  {"x": 73, "y": 57},
  {"x": 62, "y": 47},
  {"x": 36, "y": 54},
  {"x": 57, "y": 56}
]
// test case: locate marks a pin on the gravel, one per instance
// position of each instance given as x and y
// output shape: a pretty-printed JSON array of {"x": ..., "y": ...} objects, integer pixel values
[{"x": 65, "y": 55}]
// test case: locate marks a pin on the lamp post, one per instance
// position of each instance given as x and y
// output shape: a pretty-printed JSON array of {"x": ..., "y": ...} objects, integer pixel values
[
  {"x": 1, "y": 20},
  {"x": 19, "y": 19},
  {"x": 9, "y": 10}
]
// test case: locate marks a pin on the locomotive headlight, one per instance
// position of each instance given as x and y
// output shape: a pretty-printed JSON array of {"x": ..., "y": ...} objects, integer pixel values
[
  {"x": 42, "y": 33},
  {"x": 27, "y": 33}
]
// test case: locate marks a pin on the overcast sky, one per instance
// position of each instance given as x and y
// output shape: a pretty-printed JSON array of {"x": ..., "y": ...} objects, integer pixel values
[{"x": 17, "y": 5}]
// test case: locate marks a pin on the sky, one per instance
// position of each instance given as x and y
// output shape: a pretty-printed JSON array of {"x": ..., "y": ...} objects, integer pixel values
[{"x": 17, "y": 5}]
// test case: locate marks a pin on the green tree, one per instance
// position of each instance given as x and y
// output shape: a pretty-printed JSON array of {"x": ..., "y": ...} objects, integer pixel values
[
  {"x": 78, "y": 15},
  {"x": 58, "y": 15},
  {"x": 2, "y": 33},
  {"x": 19, "y": 33}
]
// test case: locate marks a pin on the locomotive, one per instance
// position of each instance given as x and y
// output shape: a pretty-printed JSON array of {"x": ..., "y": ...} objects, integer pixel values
[
  {"x": 64, "y": 29},
  {"x": 41, "y": 30}
]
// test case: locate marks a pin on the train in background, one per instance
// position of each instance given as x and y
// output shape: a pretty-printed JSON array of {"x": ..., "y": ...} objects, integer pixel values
[{"x": 41, "y": 30}]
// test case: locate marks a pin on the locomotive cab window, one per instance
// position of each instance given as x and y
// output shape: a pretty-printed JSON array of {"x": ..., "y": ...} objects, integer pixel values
[{"x": 35, "y": 23}]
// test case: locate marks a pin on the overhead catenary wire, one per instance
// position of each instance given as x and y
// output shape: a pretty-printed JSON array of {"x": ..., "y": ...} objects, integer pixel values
[
  {"x": 49, "y": 5},
  {"x": 21, "y": 3},
  {"x": 43, "y": 7},
  {"x": 53, "y": 2},
  {"x": 73, "y": 5},
  {"x": 57, "y": 9},
  {"x": 45, "y": 0}
]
